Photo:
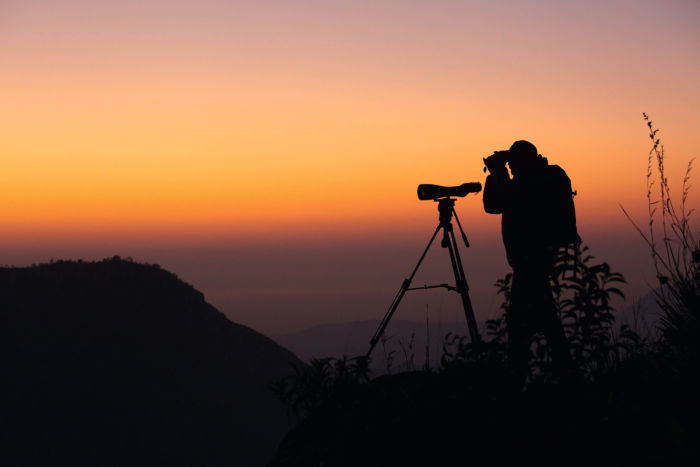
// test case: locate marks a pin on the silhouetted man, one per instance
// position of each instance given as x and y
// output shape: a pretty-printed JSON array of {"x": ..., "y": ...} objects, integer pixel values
[{"x": 537, "y": 218}]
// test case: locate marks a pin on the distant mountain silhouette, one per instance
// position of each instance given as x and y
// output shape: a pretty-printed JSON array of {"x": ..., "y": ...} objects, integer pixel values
[
  {"x": 120, "y": 363},
  {"x": 407, "y": 339},
  {"x": 410, "y": 338}
]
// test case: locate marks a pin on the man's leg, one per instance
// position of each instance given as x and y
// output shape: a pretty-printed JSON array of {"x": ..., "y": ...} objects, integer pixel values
[
  {"x": 549, "y": 322},
  {"x": 533, "y": 305},
  {"x": 562, "y": 363},
  {"x": 519, "y": 326}
]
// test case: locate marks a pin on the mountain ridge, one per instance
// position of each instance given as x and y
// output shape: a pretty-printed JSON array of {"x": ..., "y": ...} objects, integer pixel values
[{"x": 115, "y": 362}]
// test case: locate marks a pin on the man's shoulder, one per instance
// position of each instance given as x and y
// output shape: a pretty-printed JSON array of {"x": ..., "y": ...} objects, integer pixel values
[
  {"x": 556, "y": 172},
  {"x": 554, "y": 168}
]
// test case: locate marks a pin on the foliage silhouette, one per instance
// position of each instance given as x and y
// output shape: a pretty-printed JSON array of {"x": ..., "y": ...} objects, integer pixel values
[
  {"x": 322, "y": 381},
  {"x": 582, "y": 292},
  {"x": 676, "y": 256},
  {"x": 474, "y": 397},
  {"x": 632, "y": 402},
  {"x": 628, "y": 405}
]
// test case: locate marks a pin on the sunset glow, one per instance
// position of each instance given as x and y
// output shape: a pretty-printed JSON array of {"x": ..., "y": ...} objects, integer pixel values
[{"x": 216, "y": 120}]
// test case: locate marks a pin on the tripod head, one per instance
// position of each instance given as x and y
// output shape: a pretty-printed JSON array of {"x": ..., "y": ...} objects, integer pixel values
[{"x": 446, "y": 207}]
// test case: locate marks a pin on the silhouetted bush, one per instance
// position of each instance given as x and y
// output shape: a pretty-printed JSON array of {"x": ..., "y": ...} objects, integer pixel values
[
  {"x": 472, "y": 403},
  {"x": 583, "y": 293},
  {"x": 322, "y": 381}
]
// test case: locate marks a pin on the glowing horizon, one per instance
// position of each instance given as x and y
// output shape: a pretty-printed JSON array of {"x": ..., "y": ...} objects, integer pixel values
[
  {"x": 202, "y": 120},
  {"x": 198, "y": 117}
]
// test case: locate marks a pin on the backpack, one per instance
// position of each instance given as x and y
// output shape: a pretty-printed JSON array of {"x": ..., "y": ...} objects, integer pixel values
[
  {"x": 561, "y": 210},
  {"x": 561, "y": 213}
]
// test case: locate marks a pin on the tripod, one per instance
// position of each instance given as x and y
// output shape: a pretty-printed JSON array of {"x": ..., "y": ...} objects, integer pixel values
[{"x": 446, "y": 208}]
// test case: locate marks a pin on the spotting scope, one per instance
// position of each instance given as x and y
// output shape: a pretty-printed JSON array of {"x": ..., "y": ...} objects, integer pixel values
[{"x": 427, "y": 191}]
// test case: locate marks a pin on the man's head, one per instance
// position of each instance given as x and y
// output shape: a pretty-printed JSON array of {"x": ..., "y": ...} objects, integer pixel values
[{"x": 522, "y": 157}]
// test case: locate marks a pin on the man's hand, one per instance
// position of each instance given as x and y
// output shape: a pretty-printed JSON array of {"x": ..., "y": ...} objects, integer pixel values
[{"x": 496, "y": 162}]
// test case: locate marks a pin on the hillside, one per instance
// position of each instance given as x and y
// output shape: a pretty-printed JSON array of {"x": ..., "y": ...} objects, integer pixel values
[{"x": 120, "y": 363}]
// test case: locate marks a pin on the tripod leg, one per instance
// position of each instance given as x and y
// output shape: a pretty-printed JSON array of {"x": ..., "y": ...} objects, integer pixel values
[
  {"x": 459, "y": 224},
  {"x": 462, "y": 286},
  {"x": 397, "y": 299}
]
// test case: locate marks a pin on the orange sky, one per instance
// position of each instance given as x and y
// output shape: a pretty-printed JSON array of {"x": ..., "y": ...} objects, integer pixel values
[
  {"x": 127, "y": 117},
  {"x": 212, "y": 120}
]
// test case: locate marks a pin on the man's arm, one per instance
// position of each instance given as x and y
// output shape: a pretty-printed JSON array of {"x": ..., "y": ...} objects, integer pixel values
[{"x": 495, "y": 190}]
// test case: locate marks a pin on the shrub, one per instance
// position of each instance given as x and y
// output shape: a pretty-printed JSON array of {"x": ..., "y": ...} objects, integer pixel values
[
  {"x": 582, "y": 292},
  {"x": 322, "y": 381}
]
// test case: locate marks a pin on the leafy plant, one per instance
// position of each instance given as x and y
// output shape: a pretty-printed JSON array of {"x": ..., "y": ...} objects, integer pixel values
[
  {"x": 322, "y": 381},
  {"x": 583, "y": 293}
]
